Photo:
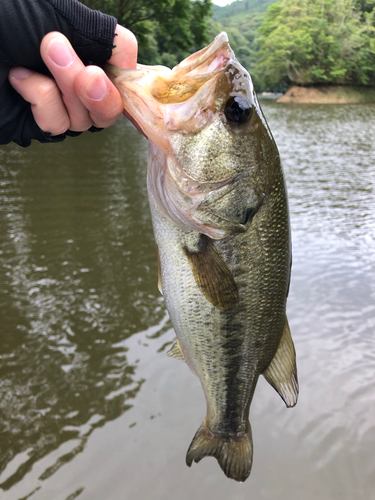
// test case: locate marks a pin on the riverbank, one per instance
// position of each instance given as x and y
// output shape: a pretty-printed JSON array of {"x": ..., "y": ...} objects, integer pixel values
[{"x": 328, "y": 95}]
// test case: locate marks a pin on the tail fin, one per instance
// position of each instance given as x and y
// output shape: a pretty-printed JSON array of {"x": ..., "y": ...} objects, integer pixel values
[{"x": 235, "y": 455}]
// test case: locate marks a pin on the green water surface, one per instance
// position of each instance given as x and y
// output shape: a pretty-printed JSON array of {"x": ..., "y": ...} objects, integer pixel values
[{"x": 90, "y": 405}]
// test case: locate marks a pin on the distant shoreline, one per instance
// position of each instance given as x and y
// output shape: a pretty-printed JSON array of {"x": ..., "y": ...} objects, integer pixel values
[{"x": 329, "y": 95}]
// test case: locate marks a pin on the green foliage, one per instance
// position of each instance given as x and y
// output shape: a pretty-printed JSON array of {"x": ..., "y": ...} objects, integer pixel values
[
  {"x": 304, "y": 42},
  {"x": 311, "y": 42},
  {"x": 236, "y": 39},
  {"x": 242, "y": 30},
  {"x": 167, "y": 30},
  {"x": 240, "y": 7}
]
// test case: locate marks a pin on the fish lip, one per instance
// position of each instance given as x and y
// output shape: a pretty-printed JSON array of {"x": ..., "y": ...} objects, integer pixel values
[
  {"x": 206, "y": 53},
  {"x": 134, "y": 122}
]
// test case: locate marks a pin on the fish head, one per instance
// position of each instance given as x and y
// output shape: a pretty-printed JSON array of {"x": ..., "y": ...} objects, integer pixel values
[{"x": 212, "y": 154}]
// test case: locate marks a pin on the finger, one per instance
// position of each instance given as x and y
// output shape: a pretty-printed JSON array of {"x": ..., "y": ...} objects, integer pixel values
[
  {"x": 45, "y": 98},
  {"x": 64, "y": 64},
  {"x": 106, "y": 107},
  {"x": 99, "y": 95},
  {"x": 124, "y": 53}
]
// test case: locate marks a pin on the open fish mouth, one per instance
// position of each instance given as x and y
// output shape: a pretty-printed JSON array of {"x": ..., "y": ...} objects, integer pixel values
[{"x": 156, "y": 96}]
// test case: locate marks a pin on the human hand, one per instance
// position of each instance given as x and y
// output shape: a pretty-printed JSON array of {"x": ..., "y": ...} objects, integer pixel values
[{"x": 79, "y": 96}]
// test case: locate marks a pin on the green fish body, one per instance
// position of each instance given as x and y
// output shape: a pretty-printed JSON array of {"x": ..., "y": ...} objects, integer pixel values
[{"x": 220, "y": 217}]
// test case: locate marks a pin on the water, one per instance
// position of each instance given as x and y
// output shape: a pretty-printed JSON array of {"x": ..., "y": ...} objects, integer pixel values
[{"x": 90, "y": 405}]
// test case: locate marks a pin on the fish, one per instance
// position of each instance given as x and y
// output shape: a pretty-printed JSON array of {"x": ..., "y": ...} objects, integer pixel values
[{"x": 220, "y": 217}]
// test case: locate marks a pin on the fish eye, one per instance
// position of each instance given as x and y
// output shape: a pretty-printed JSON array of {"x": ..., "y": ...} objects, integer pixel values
[{"x": 238, "y": 110}]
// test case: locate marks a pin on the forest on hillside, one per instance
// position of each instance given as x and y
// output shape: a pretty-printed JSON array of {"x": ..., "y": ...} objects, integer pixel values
[
  {"x": 240, "y": 7},
  {"x": 313, "y": 42},
  {"x": 304, "y": 42}
]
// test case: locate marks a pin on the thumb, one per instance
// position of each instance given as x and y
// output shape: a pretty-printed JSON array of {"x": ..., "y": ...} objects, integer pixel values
[{"x": 124, "y": 54}]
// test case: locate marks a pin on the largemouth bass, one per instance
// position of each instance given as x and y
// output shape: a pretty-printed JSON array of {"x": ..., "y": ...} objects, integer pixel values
[{"x": 220, "y": 217}]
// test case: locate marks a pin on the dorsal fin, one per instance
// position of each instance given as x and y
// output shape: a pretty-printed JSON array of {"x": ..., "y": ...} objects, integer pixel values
[
  {"x": 281, "y": 373},
  {"x": 212, "y": 275}
]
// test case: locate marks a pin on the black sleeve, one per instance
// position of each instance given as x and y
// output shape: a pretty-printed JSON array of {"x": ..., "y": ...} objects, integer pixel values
[{"x": 23, "y": 24}]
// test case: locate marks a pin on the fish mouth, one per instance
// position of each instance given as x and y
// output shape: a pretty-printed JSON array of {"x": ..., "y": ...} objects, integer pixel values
[
  {"x": 206, "y": 55},
  {"x": 159, "y": 99},
  {"x": 185, "y": 100},
  {"x": 192, "y": 73}
]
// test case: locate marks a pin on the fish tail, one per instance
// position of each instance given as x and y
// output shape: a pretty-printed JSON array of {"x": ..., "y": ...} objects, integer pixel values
[{"x": 235, "y": 455}]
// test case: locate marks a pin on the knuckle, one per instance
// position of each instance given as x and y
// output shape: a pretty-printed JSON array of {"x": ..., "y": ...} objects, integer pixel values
[
  {"x": 102, "y": 121},
  {"x": 48, "y": 92},
  {"x": 105, "y": 114},
  {"x": 53, "y": 119},
  {"x": 54, "y": 125},
  {"x": 61, "y": 127},
  {"x": 112, "y": 114},
  {"x": 128, "y": 35},
  {"x": 132, "y": 40},
  {"x": 80, "y": 126}
]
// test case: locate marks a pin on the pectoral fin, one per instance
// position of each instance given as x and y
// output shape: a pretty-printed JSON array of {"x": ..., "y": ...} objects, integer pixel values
[
  {"x": 175, "y": 352},
  {"x": 212, "y": 275},
  {"x": 281, "y": 373}
]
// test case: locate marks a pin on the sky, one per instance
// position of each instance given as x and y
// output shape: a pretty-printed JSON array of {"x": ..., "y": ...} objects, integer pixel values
[{"x": 222, "y": 2}]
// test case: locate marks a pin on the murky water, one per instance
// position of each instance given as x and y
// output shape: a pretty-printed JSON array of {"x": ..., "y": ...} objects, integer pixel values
[{"x": 90, "y": 405}]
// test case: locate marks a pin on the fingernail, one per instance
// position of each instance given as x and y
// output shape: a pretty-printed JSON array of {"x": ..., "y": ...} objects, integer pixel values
[
  {"x": 97, "y": 88},
  {"x": 20, "y": 73},
  {"x": 60, "y": 52}
]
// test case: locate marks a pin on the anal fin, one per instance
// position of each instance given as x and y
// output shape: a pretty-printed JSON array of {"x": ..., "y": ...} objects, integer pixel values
[
  {"x": 175, "y": 352},
  {"x": 281, "y": 373},
  {"x": 212, "y": 275}
]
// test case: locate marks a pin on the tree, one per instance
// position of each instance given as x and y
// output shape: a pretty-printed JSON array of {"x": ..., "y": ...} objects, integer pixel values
[
  {"x": 167, "y": 30},
  {"x": 318, "y": 42},
  {"x": 242, "y": 30}
]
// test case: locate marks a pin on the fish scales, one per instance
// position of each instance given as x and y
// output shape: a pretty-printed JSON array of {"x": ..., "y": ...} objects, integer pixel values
[
  {"x": 220, "y": 217},
  {"x": 237, "y": 336}
]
